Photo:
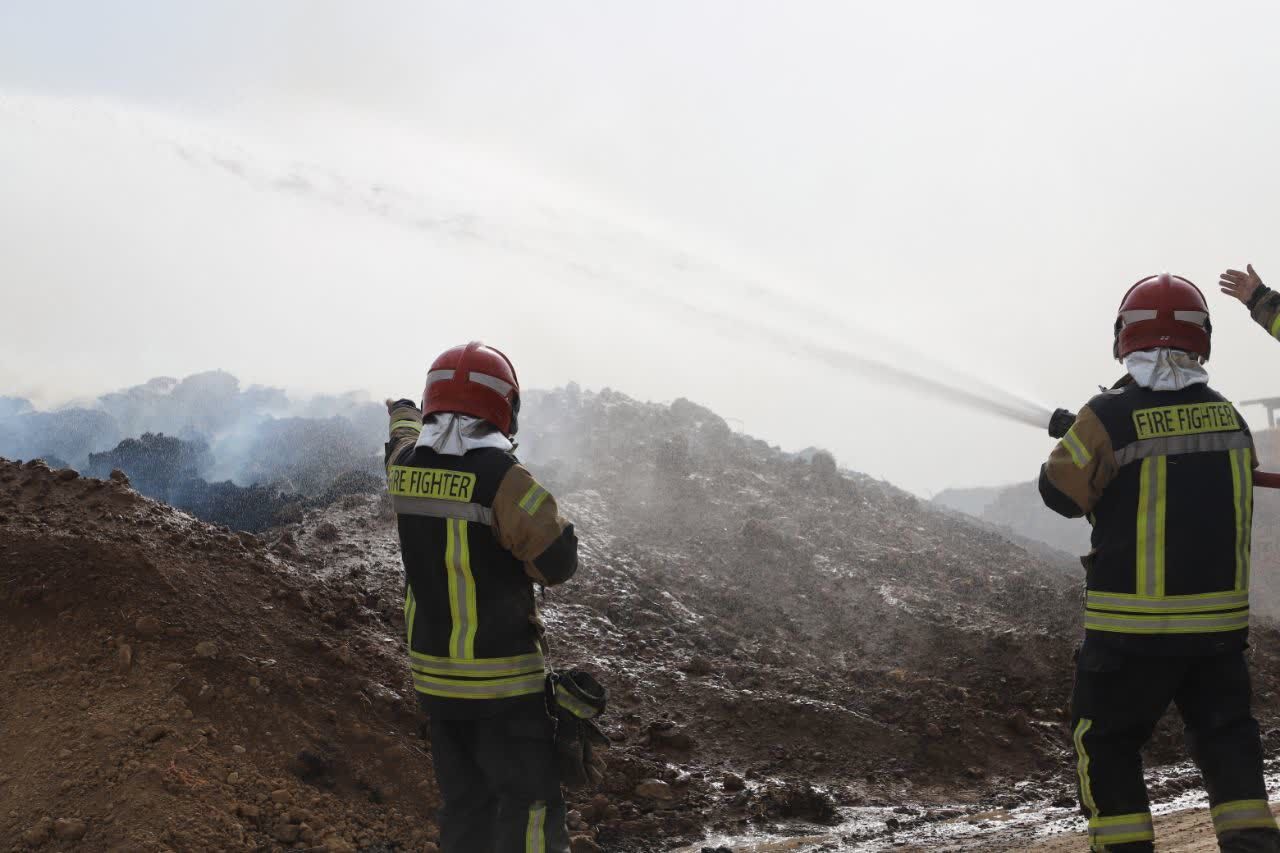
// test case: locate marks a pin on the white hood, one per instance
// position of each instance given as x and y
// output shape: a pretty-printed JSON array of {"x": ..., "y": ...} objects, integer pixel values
[
  {"x": 1165, "y": 369},
  {"x": 454, "y": 434}
]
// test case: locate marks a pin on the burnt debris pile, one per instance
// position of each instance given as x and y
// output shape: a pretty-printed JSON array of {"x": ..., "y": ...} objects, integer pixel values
[{"x": 248, "y": 458}]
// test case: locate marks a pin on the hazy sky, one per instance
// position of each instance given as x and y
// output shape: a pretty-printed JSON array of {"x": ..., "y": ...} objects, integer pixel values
[{"x": 701, "y": 199}]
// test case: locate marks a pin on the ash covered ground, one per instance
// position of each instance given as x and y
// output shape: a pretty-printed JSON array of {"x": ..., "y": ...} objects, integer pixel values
[{"x": 792, "y": 650}]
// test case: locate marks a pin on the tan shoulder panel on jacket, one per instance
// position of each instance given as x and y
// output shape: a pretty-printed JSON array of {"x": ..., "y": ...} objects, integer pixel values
[
  {"x": 1084, "y": 462},
  {"x": 526, "y": 518}
]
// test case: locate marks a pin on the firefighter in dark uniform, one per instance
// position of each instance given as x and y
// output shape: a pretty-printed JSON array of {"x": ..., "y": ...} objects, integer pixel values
[
  {"x": 1263, "y": 302},
  {"x": 1162, "y": 466},
  {"x": 476, "y": 533}
]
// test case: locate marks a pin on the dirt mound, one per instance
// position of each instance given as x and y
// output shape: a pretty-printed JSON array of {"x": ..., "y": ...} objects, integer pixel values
[
  {"x": 768, "y": 623},
  {"x": 168, "y": 685},
  {"x": 786, "y": 645}
]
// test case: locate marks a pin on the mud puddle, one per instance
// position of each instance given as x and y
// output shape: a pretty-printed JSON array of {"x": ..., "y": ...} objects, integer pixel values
[{"x": 961, "y": 828}]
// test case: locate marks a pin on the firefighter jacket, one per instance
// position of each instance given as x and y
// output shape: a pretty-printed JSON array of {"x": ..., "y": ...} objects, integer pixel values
[
  {"x": 1166, "y": 480},
  {"x": 1265, "y": 308},
  {"x": 476, "y": 532}
]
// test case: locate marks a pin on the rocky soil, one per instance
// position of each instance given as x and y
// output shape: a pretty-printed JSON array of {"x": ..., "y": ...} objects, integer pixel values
[{"x": 787, "y": 645}]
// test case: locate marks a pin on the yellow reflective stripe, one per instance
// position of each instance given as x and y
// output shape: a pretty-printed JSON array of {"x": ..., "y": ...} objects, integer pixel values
[
  {"x": 533, "y": 499},
  {"x": 1080, "y": 454},
  {"x": 1242, "y": 814},
  {"x": 1246, "y": 465},
  {"x": 1162, "y": 503},
  {"x": 532, "y": 659},
  {"x": 496, "y": 688},
  {"x": 437, "y": 508},
  {"x": 1120, "y": 829},
  {"x": 1238, "y": 504},
  {"x": 1130, "y": 603},
  {"x": 535, "y": 836},
  {"x": 1152, "y": 500},
  {"x": 1275, "y": 327},
  {"x": 574, "y": 705},
  {"x": 455, "y": 612},
  {"x": 410, "y": 614},
  {"x": 473, "y": 614},
  {"x": 1179, "y": 445},
  {"x": 1082, "y": 766},
  {"x": 477, "y": 667},
  {"x": 1193, "y": 623},
  {"x": 413, "y": 425},
  {"x": 462, "y": 591},
  {"x": 1242, "y": 486}
]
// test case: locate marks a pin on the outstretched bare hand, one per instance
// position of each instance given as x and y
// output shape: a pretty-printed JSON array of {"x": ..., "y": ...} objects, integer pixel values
[{"x": 1241, "y": 285}]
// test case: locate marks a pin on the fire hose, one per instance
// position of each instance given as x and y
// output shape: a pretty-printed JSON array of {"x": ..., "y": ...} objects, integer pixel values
[{"x": 1063, "y": 420}]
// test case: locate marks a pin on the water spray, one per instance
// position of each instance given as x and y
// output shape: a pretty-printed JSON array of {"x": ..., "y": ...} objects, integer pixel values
[{"x": 409, "y": 207}]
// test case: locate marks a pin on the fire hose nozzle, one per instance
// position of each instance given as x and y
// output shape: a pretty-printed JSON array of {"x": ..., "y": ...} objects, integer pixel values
[{"x": 1061, "y": 421}]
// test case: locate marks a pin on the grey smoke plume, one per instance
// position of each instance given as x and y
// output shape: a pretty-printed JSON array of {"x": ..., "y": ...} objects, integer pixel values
[{"x": 253, "y": 435}]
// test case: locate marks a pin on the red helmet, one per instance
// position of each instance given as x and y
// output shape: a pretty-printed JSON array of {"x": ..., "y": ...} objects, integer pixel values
[
  {"x": 1163, "y": 311},
  {"x": 474, "y": 380}
]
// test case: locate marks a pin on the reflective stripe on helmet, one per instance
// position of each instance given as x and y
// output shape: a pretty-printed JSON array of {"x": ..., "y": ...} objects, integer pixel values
[
  {"x": 474, "y": 380},
  {"x": 1163, "y": 311},
  {"x": 1138, "y": 315},
  {"x": 503, "y": 388}
]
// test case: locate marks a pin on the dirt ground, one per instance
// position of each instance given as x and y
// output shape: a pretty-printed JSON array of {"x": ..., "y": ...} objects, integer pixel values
[
  {"x": 784, "y": 645},
  {"x": 1182, "y": 832},
  {"x": 165, "y": 685}
]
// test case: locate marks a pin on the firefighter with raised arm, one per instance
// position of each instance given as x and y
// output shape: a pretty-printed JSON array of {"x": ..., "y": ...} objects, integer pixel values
[
  {"x": 1162, "y": 467},
  {"x": 1263, "y": 302},
  {"x": 477, "y": 532}
]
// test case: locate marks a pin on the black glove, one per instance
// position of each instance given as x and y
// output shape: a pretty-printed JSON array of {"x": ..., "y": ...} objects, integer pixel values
[
  {"x": 576, "y": 700},
  {"x": 392, "y": 405}
]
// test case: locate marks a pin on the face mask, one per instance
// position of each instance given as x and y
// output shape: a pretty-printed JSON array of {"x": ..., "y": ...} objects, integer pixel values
[{"x": 1165, "y": 369}]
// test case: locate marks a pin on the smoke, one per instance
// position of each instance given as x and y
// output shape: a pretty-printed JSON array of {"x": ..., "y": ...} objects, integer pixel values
[{"x": 254, "y": 435}]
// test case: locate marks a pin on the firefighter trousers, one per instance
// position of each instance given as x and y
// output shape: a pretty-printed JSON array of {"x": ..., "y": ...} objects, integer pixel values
[
  {"x": 1117, "y": 702},
  {"x": 500, "y": 784}
]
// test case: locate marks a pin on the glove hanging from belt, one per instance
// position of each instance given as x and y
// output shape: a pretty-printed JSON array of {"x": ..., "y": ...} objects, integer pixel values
[{"x": 576, "y": 700}]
